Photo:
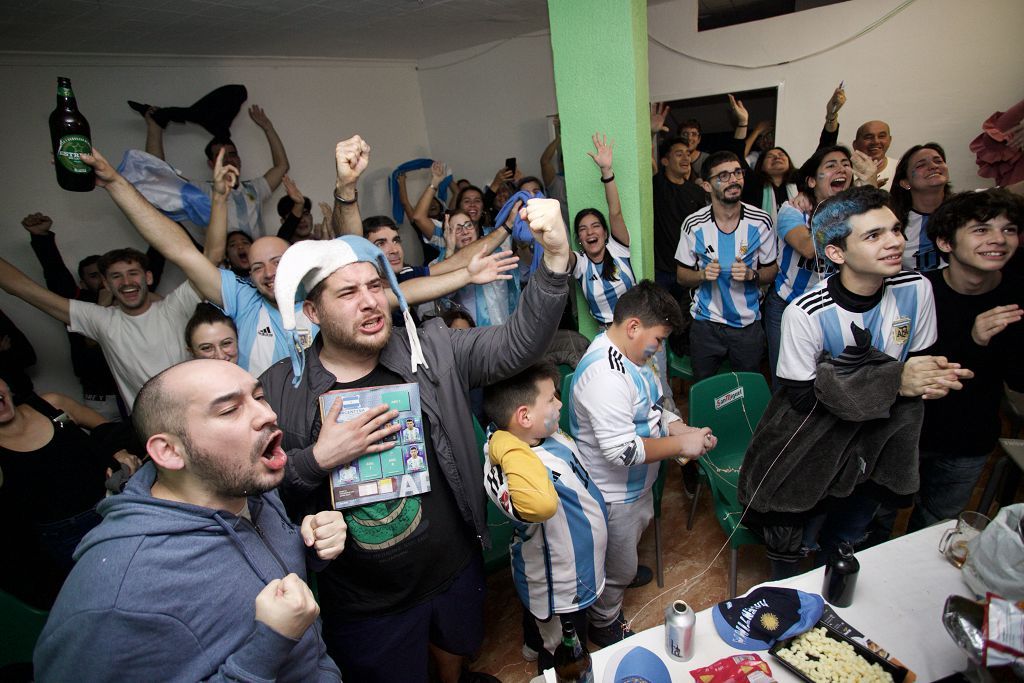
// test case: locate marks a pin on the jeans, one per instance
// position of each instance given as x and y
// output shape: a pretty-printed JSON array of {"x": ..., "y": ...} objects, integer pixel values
[
  {"x": 947, "y": 482},
  {"x": 847, "y": 519},
  {"x": 774, "y": 306},
  {"x": 711, "y": 343}
]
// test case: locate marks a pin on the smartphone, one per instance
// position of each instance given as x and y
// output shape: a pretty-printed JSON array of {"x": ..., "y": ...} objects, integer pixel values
[{"x": 510, "y": 164}]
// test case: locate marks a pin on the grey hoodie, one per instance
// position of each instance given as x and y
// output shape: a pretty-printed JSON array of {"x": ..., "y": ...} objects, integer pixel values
[{"x": 166, "y": 591}]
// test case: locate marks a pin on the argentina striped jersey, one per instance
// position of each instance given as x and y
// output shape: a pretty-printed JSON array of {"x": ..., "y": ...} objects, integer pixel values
[
  {"x": 903, "y": 320},
  {"x": 602, "y": 294},
  {"x": 557, "y": 564},
  {"x": 725, "y": 300},
  {"x": 797, "y": 274},
  {"x": 920, "y": 254}
]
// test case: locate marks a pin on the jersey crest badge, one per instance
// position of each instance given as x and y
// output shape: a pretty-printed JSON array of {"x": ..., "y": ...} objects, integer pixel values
[{"x": 901, "y": 331}]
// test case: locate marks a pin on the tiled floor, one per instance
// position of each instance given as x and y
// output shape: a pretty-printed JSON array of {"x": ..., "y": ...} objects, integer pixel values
[
  {"x": 686, "y": 554},
  {"x": 696, "y": 570}
]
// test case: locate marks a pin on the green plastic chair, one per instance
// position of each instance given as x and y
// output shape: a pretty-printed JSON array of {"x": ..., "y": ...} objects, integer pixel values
[
  {"x": 679, "y": 366},
  {"x": 564, "y": 415},
  {"x": 732, "y": 405},
  {"x": 20, "y": 625},
  {"x": 497, "y": 556}
]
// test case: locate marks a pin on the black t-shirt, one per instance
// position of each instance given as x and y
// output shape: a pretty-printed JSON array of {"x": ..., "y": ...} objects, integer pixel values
[
  {"x": 672, "y": 204},
  {"x": 966, "y": 422},
  {"x": 400, "y": 552}
]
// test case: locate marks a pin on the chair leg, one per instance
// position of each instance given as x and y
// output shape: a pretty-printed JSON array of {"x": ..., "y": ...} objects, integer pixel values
[
  {"x": 693, "y": 506},
  {"x": 994, "y": 479},
  {"x": 733, "y": 560},
  {"x": 657, "y": 553}
]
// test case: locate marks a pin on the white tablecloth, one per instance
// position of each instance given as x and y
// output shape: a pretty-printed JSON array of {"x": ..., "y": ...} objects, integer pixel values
[{"x": 901, "y": 589}]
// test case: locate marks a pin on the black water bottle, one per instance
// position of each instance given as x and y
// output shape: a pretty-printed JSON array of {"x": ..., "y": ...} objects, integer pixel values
[{"x": 841, "y": 576}]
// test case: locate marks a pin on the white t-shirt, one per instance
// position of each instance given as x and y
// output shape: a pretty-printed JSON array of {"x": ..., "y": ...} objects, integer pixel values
[
  {"x": 901, "y": 322},
  {"x": 137, "y": 347}
]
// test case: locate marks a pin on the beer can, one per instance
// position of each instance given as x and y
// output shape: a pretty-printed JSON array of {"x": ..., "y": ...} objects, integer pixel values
[{"x": 679, "y": 623}]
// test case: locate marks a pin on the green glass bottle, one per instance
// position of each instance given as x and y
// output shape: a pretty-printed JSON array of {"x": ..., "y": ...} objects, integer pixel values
[{"x": 69, "y": 133}]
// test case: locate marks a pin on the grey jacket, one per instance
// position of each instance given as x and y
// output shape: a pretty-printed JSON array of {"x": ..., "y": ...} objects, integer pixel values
[{"x": 459, "y": 360}]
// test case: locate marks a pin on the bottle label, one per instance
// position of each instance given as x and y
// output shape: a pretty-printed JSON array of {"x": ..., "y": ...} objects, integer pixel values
[
  {"x": 64, "y": 92},
  {"x": 69, "y": 151}
]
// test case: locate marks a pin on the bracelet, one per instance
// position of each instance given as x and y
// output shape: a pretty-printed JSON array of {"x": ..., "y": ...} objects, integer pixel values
[
  {"x": 340, "y": 200},
  {"x": 608, "y": 180},
  {"x": 507, "y": 227}
]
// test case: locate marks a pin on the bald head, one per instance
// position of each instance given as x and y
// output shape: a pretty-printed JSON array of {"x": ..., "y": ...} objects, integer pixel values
[
  {"x": 161, "y": 404},
  {"x": 873, "y": 138}
]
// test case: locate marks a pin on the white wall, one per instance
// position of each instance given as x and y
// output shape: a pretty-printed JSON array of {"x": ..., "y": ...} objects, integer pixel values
[
  {"x": 313, "y": 104},
  {"x": 934, "y": 71},
  {"x": 485, "y": 109}
]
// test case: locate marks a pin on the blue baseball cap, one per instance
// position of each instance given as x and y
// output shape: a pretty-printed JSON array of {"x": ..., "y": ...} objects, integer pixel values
[
  {"x": 766, "y": 615},
  {"x": 636, "y": 665}
]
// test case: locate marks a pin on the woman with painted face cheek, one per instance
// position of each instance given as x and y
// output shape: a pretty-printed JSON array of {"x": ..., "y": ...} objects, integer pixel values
[
  {"x": 828, "y": 172},
  {"x": 211, "y": 334},
  {"x": 919, "y": 186},
  {"x": 602, "y": 266}
]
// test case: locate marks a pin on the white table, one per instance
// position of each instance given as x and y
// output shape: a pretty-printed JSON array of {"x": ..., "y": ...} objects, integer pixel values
[{"x": 901, "y": 589}]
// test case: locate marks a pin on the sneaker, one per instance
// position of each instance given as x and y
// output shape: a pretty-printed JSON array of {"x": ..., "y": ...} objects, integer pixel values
[
  {"x": 642, "y": 578},
  {"x": 603, "y": 636},
  {"x": 529, "y": 654}
]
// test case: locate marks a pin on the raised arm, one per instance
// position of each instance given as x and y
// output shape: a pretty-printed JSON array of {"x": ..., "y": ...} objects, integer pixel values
[
  {"x": 16, "y": 283},
  {"x": 420, "y": 214},
  {"x": 58, "y": 278},
  {"x": 277, "y": 154},
  {"x": 483, "y": 268},
  {"x": 161, "y": 232},
  {"x": 351, "y": 157},
  {"x": 659, "y": 112},
  {"x": 830, "y": 132},
  {"x": 759, "y": 129},
  {"x": 548, "y": 170},
  {"x": 603, "y": 158},
  {"x": 454, "y": 260},
  {"x": 224, "y": 178}
]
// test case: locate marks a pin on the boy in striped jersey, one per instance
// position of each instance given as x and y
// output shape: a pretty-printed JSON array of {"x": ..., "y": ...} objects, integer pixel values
[
  {"x": 869, "y": 306},
  {"x": 533, "y": 474},
  {"x": 622, "y": 431},
  {"x": 726, "y": 251}
]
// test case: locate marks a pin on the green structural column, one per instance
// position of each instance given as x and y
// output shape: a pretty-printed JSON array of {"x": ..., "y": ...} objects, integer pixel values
[{"x": 600, "y": 59}]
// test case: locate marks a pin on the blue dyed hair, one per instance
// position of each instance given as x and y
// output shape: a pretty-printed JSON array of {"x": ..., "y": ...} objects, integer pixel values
[{"x": 830, "y": 223}]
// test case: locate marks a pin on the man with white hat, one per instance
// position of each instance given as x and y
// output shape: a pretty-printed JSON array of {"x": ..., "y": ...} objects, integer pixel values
[{"x": 411, "y": 579}]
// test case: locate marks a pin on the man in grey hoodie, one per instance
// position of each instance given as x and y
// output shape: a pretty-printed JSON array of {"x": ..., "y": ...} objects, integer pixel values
[{"x": 196, "y": 573}]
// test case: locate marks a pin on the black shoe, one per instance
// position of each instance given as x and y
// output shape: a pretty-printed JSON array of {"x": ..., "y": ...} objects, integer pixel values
[
  {"x": 691, "y": 477},
  {"x": 603, "y": 636},
  {"x": 642, "y": 578}
]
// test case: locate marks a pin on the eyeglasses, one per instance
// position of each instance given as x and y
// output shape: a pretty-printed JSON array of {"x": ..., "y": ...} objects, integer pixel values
[
  {"x": 464, "y": 227},
  {"x": 724, "y": 176}
]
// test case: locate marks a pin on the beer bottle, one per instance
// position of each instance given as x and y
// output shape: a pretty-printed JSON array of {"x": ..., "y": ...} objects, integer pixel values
[
  {"x": 572, "y": 660},
  {"x": 69, "y": 133}
]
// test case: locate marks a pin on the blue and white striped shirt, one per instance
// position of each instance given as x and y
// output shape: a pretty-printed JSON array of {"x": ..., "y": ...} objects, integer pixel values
[
  {"x": 602, "y": 294},
  {"x": 727, "y": 301}
]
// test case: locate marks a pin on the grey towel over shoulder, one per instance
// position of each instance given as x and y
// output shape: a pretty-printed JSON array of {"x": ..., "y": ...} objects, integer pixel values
[{"x": 860, "y": 430}]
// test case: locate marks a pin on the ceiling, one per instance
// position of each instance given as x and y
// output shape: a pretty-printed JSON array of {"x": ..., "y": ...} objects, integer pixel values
[
  {"x": 340, "y": 29},
  {"x": 368, "y": 29}
]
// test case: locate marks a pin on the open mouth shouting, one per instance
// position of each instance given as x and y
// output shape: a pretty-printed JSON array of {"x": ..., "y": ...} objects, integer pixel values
[{"x": 273, "y": 455}]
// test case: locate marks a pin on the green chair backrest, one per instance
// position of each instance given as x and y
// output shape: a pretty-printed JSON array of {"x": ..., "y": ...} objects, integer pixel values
[
  {"x": 732, "y": 405},
  {"x": 495, "y": 557},
  {"x": 20, "y": 626},
  {"x": 565, "y": 416}
]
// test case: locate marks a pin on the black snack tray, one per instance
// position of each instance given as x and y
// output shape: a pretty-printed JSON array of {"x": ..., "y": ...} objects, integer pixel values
[{"x": 898, "y": 673}]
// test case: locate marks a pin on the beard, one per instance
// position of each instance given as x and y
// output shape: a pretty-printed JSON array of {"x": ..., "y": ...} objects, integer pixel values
[
  {"x": 234, "y": 477},
  {"x": 342, "y": 335}
]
